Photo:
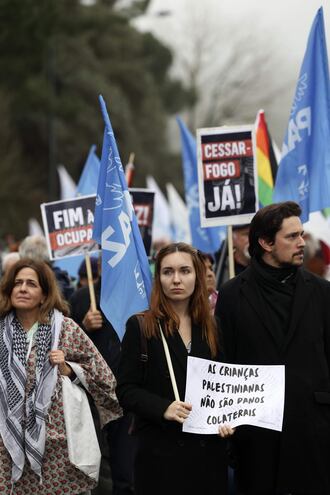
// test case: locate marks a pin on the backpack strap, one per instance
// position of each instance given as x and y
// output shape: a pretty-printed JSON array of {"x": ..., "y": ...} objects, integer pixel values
[
  {"x": 144, "y": 360},
  {"x": 143, "y": 340}
]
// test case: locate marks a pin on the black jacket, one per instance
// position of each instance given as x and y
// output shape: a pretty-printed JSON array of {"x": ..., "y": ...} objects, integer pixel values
[
  {"x": 166, "y": 455},
  {"x": 297, "y": 459},
  {"x": 105, "y": 339}
]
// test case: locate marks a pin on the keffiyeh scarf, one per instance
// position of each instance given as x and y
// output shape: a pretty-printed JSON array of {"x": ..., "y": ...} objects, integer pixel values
[{"x": 23, "y": 416}]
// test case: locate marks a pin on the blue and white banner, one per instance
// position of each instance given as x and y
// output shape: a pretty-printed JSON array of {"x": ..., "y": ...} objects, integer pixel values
[
  {"x": 207, "y": 239},
  {"x": 304, "y": 171},
  {"x": 126, "y": 276}
]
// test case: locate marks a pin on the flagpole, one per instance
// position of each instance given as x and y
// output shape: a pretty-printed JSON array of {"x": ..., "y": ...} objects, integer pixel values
[
  {"x": 90, "y": 282},
  {"x": 230, "y": 252},
  {"x": 222, "y": 262},
  {"x": 129, "y": 170}
]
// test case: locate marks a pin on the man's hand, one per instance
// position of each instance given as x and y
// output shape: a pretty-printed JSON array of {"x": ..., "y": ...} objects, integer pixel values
[{"x": 92, "y": 321}]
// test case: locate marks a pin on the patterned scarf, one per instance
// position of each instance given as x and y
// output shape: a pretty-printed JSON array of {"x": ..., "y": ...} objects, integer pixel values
[{"x": 23, "y": 417}]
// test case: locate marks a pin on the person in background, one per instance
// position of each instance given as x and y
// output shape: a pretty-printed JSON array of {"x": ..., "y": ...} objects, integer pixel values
[
  {"x": 39, "y": 345},
  {"x": 241, "y": 254},
  {"x": 82, "y": 272},
  {"x": 277, "y": 313},
  {"x": 35, "y": 247},
  {"x": 119, "y": 445},
  {"x": 169, "y": 460},
  {"x": 8, "y": 260},
  {"x": 10, "y": 243},
  {"x": 241, "y": 247},
  {"x": 210, "y": 279},
  {"x": 156, "y": 246},
  {"x": 314, "y": 260}
]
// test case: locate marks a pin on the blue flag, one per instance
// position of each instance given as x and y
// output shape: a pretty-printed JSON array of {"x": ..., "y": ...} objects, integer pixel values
[
  {"x": 207, "y": 239},
  {"x": 304, "y": 170},
  {"x": 89, "y": 177},
  {"x": 126, "y": 276}
]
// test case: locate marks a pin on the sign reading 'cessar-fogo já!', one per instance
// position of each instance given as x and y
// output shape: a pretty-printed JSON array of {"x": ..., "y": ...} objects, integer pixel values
[{"x": 227, "y": 175}]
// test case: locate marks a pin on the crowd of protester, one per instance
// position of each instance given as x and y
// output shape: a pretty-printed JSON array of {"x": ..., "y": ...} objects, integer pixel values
[{"x": 51, "y": 340}]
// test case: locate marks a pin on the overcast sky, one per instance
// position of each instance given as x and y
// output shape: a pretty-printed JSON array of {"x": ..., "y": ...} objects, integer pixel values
[
  {"x": 282, "y": 24},
  {"x": 289, "y": 20}
]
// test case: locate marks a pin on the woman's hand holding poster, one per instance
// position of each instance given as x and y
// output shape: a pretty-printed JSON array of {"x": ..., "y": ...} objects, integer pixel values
[{"x": 235, "y": 394}]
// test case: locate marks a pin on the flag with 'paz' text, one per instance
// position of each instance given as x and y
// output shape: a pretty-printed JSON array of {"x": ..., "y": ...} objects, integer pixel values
[{"x": 304, "y": 170}]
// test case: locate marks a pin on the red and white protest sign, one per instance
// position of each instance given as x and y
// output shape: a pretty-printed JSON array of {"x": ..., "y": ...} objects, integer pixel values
[
  {"x": 227, "y": 175},
  {"x": 143, "y": 204},
  {"x": 68, "y": 224}
]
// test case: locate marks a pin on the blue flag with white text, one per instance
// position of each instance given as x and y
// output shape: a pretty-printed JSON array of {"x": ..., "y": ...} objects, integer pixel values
[
  {"x": 90, "y": 175},
  {"x": 126, "y": 276},
  {"x": 304, "y": 170},
  {"x": 207, "y": 239}
]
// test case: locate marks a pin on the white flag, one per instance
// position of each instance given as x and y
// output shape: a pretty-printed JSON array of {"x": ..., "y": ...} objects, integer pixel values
[
  {"x": 68, "y": 186},
  {"x": 35, "y": 228},
  {"x": 161, "y": 227},
  {"x": 179, "y": 215}
]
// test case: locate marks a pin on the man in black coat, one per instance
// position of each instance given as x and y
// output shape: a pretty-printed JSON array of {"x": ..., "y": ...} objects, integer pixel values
[{"x": 277, "y": 313}]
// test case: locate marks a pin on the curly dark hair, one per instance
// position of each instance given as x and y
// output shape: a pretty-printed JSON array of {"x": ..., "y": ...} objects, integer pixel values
[{"x": 267, "y": 222}]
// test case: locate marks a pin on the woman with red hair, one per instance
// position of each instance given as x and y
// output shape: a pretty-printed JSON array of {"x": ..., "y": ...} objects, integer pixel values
[{"x": 169, "y": 460}]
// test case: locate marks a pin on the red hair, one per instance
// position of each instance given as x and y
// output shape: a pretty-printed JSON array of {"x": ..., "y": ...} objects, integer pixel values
[{"x": 199, "y": 309}]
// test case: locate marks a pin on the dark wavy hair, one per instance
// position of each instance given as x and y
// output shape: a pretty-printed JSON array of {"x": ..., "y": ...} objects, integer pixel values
[
  {"x": 160, "y": 306},
  {"x": 267, "y": 222},
  {"x": 48, "y": 284}
]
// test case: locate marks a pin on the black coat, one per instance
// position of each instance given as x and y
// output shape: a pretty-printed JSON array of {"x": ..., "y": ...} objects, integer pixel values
[
  {"x": 297, "y": 459},
  {"x": 168, "y": 460},
  {"x": 105, "y": 338}
]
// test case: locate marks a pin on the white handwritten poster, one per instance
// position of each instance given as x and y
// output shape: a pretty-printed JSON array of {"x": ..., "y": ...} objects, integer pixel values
[{"x": 234, "y": 394}]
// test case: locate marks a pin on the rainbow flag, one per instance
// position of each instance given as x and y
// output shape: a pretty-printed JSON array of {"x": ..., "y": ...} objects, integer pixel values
[{"x": 266, "y": 161}]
